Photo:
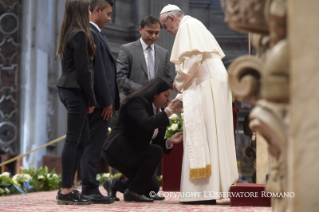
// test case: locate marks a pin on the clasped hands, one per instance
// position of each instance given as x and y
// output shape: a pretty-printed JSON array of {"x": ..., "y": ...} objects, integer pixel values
[{"x": 176, "y": 105}]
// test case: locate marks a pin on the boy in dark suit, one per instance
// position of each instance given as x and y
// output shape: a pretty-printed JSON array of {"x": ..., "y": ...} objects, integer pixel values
[{"x": 107, "y": 96}]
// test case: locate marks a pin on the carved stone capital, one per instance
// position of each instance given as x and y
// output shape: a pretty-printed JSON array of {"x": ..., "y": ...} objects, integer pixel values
[
  {"x": 275, "y": 80},
  {"x": 264, "y": 80},
  {"x": 244, "y": 78},
  {"x": 267, "y": 118},
  {"x": 247, "y": 16}
]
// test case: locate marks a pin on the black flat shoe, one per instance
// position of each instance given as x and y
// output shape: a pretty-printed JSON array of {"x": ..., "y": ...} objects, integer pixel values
[
  {"x": 99, "y": 199},
  {"x": 129, "y": 196},
  {"x": 72, "y": 198},
  {"x": 158, "y": 197},
  {"x": 110, "y": 191}
]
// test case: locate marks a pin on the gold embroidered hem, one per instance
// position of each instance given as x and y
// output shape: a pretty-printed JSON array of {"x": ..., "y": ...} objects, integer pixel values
[
  {"x": 202, "y": 172},
  {"x": 208, "y": 169}
]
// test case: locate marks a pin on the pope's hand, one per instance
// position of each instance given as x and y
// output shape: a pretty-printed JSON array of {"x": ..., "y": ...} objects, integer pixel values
[
  {"x": 176, "y": 105},
  {"x": 174, "y": 86}
]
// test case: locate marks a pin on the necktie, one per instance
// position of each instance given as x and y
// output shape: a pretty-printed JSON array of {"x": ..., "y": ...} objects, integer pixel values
[
  {"x": 103, "y": 36},
  {"x": 151, "y": 74}
]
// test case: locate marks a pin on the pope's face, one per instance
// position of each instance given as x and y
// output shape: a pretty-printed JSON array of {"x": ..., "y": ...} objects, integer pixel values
[
  {"x": 169, "y": 24},
  {"x": 150, "y": 33}
]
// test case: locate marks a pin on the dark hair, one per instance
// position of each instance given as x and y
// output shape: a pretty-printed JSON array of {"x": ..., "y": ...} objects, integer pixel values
[
  {"x": 155, "y": 86},
  {"x": 76, "y": 17},
  {"x": 101, "y": 3},
  {"x": 149, "y": 20}
]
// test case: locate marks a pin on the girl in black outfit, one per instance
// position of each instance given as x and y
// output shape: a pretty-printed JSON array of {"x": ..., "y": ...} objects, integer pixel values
[{"x": 76, "y": 50}]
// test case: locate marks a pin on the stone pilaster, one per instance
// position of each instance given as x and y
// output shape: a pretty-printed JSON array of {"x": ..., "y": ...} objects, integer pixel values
[{"x": 303, "y": 145}]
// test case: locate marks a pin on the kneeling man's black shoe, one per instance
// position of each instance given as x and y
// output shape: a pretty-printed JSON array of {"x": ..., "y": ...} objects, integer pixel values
[
  {"x": 99, "y": 198},
  {"x": 158, "y": 197},
  {"x": 129, "y": 196},
  {"x": 72, "y": 198},
  {"x": 110, "y": 191}
]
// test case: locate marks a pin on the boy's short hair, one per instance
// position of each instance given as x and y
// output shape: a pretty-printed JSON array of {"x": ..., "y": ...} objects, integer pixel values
[{"x": 101, "y": 3}]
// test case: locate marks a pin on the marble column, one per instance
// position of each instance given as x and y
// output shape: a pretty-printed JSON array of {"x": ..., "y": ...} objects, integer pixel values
[
  {"x": 56, "y": 125},
  {"x": 39, "y": 32}
]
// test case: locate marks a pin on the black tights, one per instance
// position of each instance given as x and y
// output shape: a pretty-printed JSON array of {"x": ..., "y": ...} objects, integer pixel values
[{"x": 77, "y": 135}]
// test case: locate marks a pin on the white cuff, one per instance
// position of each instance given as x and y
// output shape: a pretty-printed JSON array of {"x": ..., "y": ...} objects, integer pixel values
[
  {"x": 168, "y": 147},
  {"x": 179, "y": 96}
]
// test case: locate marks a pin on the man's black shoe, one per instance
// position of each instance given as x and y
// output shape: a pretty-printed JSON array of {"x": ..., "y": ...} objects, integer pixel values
[
  {"x": 129, "y": 196},
  {"x": 110, "y": 191},
  {"x": 158, "y": 197},
  {"x": 72, "y": 198},
  {"x": 99, "y": 198}
]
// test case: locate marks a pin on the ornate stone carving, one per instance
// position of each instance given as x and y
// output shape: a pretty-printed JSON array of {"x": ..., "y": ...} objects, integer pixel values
[
  {"x": 8, "y": 133},
  {"x": 7, "y": 106},
  {"x": 267, "y": 118},
  {"x": 274, "y": 85},
  {"x": 264, "y": 79},
  {"x": 277, "y": 22},
  {"x": 8, "y": 23},
  {"x": 247, "y": 16},
  {"x": 244, "y": 78},
  {"x": 8, "y": 76},
  {"x": 261, "y": 44},
  {"x": 10, "y": 11}
]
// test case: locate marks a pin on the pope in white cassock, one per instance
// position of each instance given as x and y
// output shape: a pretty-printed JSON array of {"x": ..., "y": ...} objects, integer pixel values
[{"x": 209, "y": 160}]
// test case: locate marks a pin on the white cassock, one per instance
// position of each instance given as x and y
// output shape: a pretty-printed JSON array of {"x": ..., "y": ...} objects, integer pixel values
[{"x": 209, "y": 160}]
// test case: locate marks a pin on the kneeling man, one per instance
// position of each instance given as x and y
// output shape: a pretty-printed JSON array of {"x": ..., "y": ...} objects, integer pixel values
[{"x": 136, "y": 145}]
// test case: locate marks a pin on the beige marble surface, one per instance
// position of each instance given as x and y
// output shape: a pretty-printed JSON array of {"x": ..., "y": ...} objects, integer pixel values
[{"x": 303, "y": 146}]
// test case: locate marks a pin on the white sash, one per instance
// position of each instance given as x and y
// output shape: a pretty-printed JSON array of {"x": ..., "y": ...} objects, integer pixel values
[{"x": 196, "y": 136}]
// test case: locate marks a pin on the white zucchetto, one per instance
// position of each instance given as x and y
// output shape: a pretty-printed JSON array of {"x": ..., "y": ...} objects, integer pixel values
[{"x": 170, "y": 7}]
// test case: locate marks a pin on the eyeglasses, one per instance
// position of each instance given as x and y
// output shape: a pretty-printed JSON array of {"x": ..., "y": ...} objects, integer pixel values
[{"x": 164, "y": 26}]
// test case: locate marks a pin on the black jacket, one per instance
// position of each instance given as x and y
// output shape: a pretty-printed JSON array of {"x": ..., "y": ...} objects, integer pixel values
[
  {"x": 77, "y": 70},
  {"x": 105, "y": 85},
  {"x": 134, "y": 130}
]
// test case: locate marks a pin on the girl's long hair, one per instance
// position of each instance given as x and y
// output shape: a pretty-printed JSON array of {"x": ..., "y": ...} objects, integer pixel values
[
  {"x": 76, "y": 17},
  {"x": 155, "y": 86}
]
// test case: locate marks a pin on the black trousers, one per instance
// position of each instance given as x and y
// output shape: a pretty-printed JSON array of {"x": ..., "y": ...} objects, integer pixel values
[
  {"x": 77, "y": 135},
  {"x": 140, "y": 174},
  {"x": 91, "y": 155}
]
